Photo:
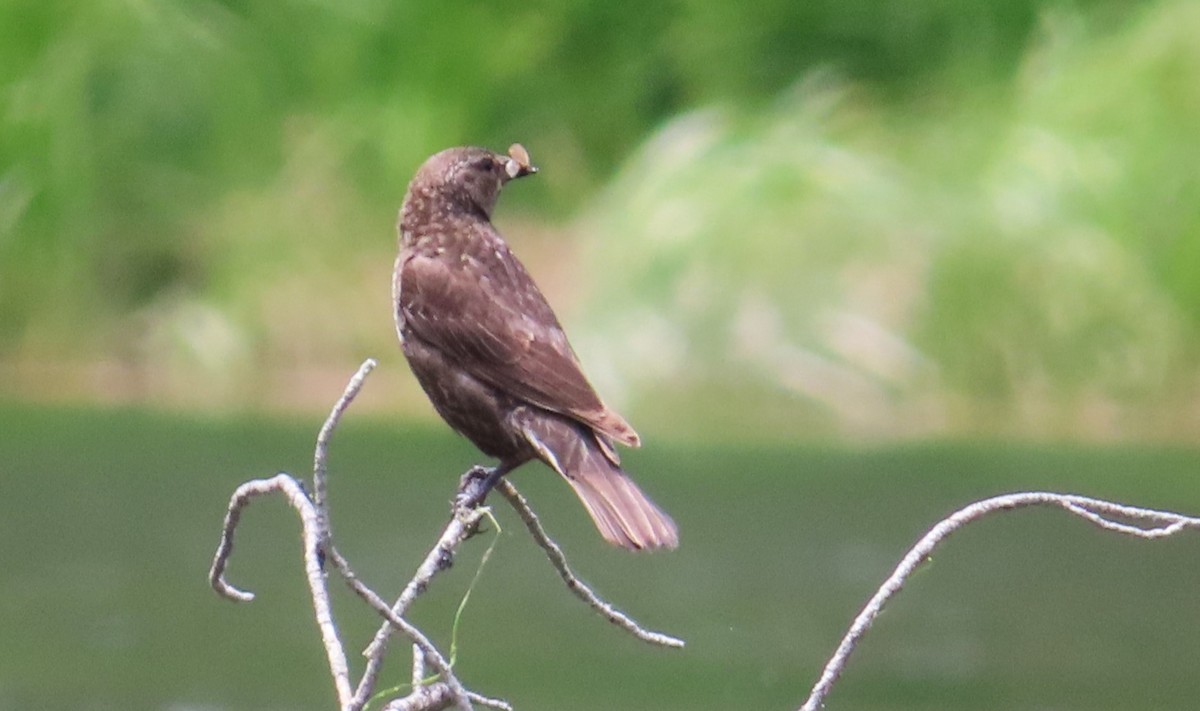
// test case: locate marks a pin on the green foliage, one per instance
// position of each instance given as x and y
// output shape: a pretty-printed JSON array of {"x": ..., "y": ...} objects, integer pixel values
[
  {"x": 884, "y": 208},
  {"x": 148, "y": 149},
  {"x": 1017, "y": 249}
]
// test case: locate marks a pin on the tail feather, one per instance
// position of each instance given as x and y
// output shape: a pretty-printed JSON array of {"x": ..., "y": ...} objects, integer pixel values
[
  {"x": 607, "y": 521},
  {"x": 624, "y": 515}
]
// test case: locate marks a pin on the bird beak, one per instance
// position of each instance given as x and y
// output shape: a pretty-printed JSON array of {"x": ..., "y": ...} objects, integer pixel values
[{"x": 518, "y": 165}]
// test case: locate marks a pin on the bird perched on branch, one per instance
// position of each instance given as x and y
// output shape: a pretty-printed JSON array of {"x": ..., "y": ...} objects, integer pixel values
[{"x": 490, "y": 353}]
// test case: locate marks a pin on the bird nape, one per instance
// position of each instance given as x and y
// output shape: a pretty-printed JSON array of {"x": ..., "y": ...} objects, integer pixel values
[{"x": 489, "y": 352}]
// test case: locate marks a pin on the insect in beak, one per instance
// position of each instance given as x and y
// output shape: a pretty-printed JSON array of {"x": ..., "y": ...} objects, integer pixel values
[{"x": 517, "y": 165}]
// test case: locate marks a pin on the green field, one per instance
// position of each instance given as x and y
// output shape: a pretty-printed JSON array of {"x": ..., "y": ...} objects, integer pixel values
[{"x": 109, "y": 520}]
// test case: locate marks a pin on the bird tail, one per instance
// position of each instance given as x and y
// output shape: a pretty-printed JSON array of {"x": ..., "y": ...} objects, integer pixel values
[{"x": 624, "y": 515}]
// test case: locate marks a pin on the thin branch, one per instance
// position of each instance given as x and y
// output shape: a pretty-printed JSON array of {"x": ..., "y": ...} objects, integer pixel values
[
  {"x": 1159, "y": 524},
  {"x": 317, "y": 538},
  {"x": 434, "y": 697},
  {"x": 460, "y": 527},
  {"x": 574, "y": 584},
  {"x": 438, "y": 696},
  {"x": 423, "y": 648},
  {"x": 321, "y": 453},
  {"x": 418, "y": 667},
  {"x": 446, "y": 691},
  {"x": 489, "y": 701},
  {"x": 323, "y": 611},
  {"x": 216, "y": 573}
]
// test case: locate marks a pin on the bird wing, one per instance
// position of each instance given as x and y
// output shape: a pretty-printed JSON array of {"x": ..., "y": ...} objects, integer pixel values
[{"x": 485, "y": 312}]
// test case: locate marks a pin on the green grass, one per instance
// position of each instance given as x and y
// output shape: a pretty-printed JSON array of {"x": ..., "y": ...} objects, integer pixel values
[{"x": 110, "y": 520}]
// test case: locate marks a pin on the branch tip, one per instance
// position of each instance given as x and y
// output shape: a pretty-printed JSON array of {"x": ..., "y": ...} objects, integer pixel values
[{"x": 581, "y": 590}]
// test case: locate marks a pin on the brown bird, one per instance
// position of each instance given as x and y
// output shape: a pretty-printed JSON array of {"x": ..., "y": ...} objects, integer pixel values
[{"x": 490, "y": 353}]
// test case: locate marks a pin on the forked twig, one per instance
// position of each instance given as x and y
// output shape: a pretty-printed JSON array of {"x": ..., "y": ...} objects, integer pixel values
[
  {"x": 440, "y": 557},
  {"x": 298, "y": 499},
  {"x": 317, "y": 537},
  {"x": 1159, "y": 524},
  {"x": 445, "y": 690}
]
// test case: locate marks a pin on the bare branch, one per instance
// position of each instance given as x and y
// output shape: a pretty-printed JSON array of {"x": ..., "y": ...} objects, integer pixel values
[
  {"x": 321, "y": 453},
  {"x": 423, "y": 649},
  {"x": 438, "y": 696},
  {"x": 418, "y": 667},
  {"x": 1159, "y": 524},
  {"x": 433, "y": 697},
  {"x": 298, "y": 499},
  {"x": 446, "y": 690},
  {"x": 574, "y": 584},
  {"x": 216, "y": 573},
  {"x": 461, "y": 525},
  {"x": 316, "y": 535},
  {"x": 489, "y": 702}
]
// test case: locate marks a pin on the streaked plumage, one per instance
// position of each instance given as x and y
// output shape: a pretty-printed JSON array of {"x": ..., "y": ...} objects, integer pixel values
[{"x": 490, "y": 353}]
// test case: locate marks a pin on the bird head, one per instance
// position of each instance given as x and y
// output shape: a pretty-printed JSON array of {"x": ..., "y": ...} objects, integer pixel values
[{"x": 472, "y": 177}]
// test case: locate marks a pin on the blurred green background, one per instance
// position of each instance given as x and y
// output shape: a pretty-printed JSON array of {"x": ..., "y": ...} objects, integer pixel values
[{"x": 834, "y": 259}]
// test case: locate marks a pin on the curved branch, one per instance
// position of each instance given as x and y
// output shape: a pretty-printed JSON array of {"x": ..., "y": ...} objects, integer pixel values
[
  {"x": 309, "y": 521},
  {"x": 446, "y": 690},
  {"x": 574, "y": 584},
  {"x": 321, "y": 451},
  {"x": 1159, "y": 524}
]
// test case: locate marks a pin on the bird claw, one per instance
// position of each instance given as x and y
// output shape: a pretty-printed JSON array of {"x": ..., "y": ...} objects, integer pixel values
[{"x": 474, "y": 486}]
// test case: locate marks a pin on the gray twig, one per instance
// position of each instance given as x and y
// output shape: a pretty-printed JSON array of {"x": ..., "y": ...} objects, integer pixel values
[
  {"x": 1157, "y": 524},
  {"x": 461, "y": 525},
  {"x": 438, "y": 696},
  {"x": 318, "y": 544},
  {"x": 434, "y": 697},
  {"x": 423, "y": 650},
  {"x": 574, "y": 584},
  {"x": 446, "y": 691},
  {"x": 418, "y": 668},
  {"x": 321, "y": 453},
  {"x": 298, "y": 499}
]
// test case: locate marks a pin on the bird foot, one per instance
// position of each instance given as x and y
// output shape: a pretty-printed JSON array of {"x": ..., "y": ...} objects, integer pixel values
[{"x": 474, "y": 486}]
